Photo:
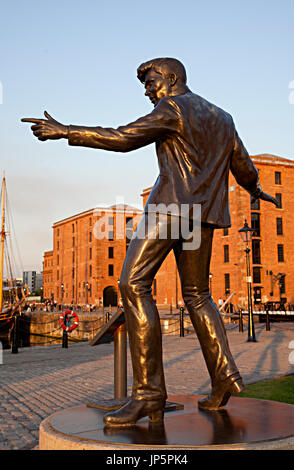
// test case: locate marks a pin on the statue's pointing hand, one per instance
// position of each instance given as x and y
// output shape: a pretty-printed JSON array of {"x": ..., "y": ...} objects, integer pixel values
[{"x": 48, "y": 128}]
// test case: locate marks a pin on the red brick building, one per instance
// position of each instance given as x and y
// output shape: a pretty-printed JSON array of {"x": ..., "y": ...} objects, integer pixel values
[{"x": 88, "y": 253}]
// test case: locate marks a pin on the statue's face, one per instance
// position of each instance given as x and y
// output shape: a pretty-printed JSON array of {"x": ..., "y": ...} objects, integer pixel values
[{"x": 156, "y": 86}]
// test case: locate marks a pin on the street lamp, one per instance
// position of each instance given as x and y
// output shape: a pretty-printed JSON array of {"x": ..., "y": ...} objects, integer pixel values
[
  {"x": 87, "y": 293},
  {"x": 246, "y": 233}
]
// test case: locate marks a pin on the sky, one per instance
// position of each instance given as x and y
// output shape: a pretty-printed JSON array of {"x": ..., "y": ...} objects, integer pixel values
[{"x": 78, "y": 61}]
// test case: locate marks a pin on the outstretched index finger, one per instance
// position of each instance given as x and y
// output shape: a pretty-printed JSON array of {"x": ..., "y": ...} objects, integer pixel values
[{"x": 37, "y": 121}]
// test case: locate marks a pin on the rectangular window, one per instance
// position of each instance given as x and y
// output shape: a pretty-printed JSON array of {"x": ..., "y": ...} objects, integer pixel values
[
  {"x": 226, "y": 231},
  {"x": 279, "y": 226},
  {"x": 110, "y": 270},
  {"x": 73, "y": 228},
  {"x": 57, "y": 273},
  {"x": 129, "y": 228},
  {"x": 90, "y": 221},
  {"x": 227, "y": 283},
  {"x": 110, "y": 252},
  {"x": 257, "y": 295},
  {"x": 279, "y": 199},
  {"x": 255, "y": 204},
  {"x": 58, "y": 232},
  {"x": 226, "y": 253},
  {"x": 73, "y": 273},
  {"x": 73, "y": 241},
  {"x": 255, "y": 223},
  {"x": 256, "y": 275},
  {"x": 73, "y": 256},
  {"x": 256, "y": 258},
  {"x": 110, "y": 221},
  {"x": 90, "y": 236},
  {"x": 281, "y": 253},
  {"x": 90, "y": 253},
  {"x": 90, "y": 270},
  {"x": 278, "y": 179},
  {"x": 110, "y": 236},
  {"x": 57, "y": 244},
  {"x": 57, "y": 262}
]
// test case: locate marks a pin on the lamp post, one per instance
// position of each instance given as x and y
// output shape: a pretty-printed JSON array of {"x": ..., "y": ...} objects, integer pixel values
[
  {"x": 62, "y": 294},
  {"x": 87, "y": 293},
  {"x": 246, "y": 233}
]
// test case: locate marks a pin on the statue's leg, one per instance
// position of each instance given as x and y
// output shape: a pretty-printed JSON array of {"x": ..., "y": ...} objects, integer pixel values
[
  {"x": 193, "y": 268},
  {"x": 143, "y": 259}
]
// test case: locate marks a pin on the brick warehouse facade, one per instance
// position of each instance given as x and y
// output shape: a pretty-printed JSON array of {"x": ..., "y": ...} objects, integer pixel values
[
  {"x": 87, "y": 257},
  {"x": 85, "y": 269}
]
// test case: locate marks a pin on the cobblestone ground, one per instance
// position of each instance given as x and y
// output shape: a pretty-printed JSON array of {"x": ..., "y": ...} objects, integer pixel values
[{"x": 38, "y": 381}]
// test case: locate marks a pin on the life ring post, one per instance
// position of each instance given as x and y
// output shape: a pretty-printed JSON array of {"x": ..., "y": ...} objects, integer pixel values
[
  {"x": 65, "y": 339},
  {"x": 68, "y": 322}
]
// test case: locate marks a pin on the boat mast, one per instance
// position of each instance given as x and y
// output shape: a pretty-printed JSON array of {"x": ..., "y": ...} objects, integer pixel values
[{"x": 2, "y": 242}]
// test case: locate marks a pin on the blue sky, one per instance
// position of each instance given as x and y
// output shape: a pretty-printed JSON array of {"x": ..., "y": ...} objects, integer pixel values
[{"x": 78, "y": 61}]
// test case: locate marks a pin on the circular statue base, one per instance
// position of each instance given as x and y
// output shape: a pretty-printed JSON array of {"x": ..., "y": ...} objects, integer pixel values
[{"x": 245, "y": 423}]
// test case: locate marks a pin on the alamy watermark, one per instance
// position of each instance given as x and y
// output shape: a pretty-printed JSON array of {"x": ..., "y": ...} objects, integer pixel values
[
  {"x": 291, "y": 94},
  {"x": 159, "y": 222}
]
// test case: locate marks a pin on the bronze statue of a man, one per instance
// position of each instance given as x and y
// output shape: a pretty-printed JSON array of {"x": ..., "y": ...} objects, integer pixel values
[{"x": 197, "y": 145}]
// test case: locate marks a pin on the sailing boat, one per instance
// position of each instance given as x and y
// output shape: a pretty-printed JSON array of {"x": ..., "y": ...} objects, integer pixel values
[{"x": 13, "y": 303}]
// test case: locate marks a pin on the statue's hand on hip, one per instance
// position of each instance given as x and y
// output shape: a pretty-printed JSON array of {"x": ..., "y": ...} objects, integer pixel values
[{"x": 48, "y": 128}]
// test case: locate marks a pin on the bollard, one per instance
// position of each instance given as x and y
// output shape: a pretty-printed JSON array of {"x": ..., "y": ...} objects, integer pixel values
[
  {"x": 240, "y": 320},
  {"x": 268, "y": 326},
  {"x": 182, "y": 330},
  {"x": 14, "y": 349}
]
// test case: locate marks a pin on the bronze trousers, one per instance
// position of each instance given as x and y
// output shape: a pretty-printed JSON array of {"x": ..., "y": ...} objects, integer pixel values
[{"x": 143, "y": 260}]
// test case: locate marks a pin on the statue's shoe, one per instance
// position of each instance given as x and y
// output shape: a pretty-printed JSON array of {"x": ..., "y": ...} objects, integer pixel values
[
  {"x": 221, "y": 394},
  {"x": 134, "y": 410}
]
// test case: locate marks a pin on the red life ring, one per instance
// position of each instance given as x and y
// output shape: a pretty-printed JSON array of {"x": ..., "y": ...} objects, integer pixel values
[{"x": 73, "y": 325}]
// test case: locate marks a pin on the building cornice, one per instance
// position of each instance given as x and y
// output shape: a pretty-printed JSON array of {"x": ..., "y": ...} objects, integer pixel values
[{"x": 124, "y": 209}]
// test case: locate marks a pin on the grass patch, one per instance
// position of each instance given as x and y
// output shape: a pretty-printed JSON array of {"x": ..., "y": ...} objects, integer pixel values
[{"x": 280, "y": 389}]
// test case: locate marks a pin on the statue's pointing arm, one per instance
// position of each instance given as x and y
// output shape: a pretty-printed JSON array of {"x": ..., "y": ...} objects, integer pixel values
[
  {"x": 162, "y": 120},
  {"x": 147, "y": 129}
]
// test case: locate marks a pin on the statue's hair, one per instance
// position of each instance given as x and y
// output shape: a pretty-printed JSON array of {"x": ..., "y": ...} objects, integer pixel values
[{"x": 163, "y": 66}]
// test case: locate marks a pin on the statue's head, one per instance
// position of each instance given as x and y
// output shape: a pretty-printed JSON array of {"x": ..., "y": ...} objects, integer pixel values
[{"x": 162, "y": 77}]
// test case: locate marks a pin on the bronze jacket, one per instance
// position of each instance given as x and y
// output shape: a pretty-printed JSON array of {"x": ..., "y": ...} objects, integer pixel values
[{"x": 196, "y": 145}]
